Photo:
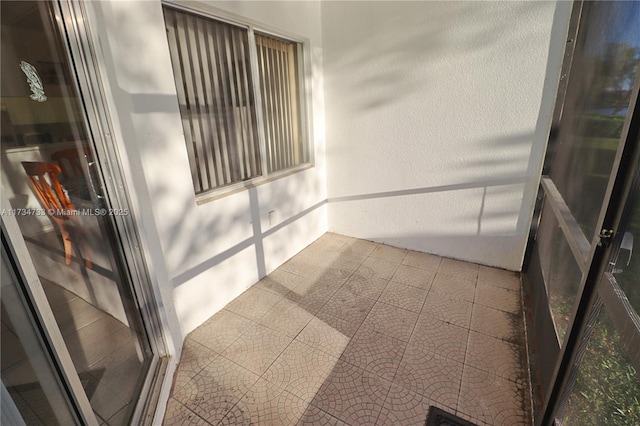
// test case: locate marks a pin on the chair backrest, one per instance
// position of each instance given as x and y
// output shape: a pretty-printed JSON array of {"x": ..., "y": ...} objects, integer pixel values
[
  {"x": 69, "y": 162},
  {"x": 45, "y": 183}
]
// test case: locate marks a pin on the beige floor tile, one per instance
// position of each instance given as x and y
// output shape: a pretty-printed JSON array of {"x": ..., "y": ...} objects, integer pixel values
[
  {"x": 287, "y": 318},
  {"x": 299, "y": 265},
  {"x": 389, "y": 253},
  {"x": 422, "y": 260},
  {"x": 459, "y": 268},
  {"x": 264, "y": 404},
  {"x": 104, "y": 401},
  {"x": 433, "y": 336},
  {"x": 301, "y": 370},
  {"x": 123, "y": 379},
  {"x": 375, "y": 352},
  {"x": 195, "y": 357},
  {"x": 499, "y": 278},
  {"x": 328, "y": 334},
  {"x": 391, "y": 321},
  {"x": 498, "y": 298},
  {"x": 430, "y": 375},
  {"x": 269, "y": 406},
  {"x": 216, "y": 389},
  {"x": 76, "y": 315},
  {"x": 87, "y": 349},
  {"x": 330, "y": 277},
  {"x": 254, "y": 303},
  {"x": 377, "y": 268},
  {"x": 280, "y": 282},
  {"x": 497, "y": 323},
  {"x": 311, "y": 298},
  {"x": 350, "y": 332},
  {"x": 367, "y": 287},
  {"x": 359, "y": 247},
  {"x": 441, "y": 306},
  {"x": 313, "y": 416},
  {"x": 352, "y": 395},
  {"x": 412, "y": 276},
  {"x": 492, "y": 400},
  {"x": 348, "y": 261},
  {"x": 221, "y": 330},
  {"x": 344, "y": 304},
  {"x": 117, "y": 356},
  {"x": 404, "y": 296},
  {"x": 178, "y": 414},
  {"x": 404, "y": 408},
  {"x": 57, "y": 296},
  {"x": 332, "y": 240},
  {"x": 257, "y": 348},
  {"x": 455, "y": 287},
  {"x": 498, "y": 357}
]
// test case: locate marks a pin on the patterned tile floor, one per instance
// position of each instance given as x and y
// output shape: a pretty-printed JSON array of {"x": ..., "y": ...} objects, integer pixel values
[{"x": 350, "y": 332}]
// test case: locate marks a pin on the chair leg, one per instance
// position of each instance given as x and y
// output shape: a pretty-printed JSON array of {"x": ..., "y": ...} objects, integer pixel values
[
  {"x": 85, "y": 250},
  {"x": 67, "y": 249},
  {"x": 80, "y": 239}
]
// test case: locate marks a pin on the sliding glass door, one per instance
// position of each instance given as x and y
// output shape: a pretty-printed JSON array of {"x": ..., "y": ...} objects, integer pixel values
[
  {"x": 87, "y": 289},
  {"x": 588, "y": 162}
]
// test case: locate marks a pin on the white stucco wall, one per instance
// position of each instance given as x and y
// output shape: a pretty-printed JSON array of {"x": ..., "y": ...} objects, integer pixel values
[
  {"x": 437, "y": 116},
  {"x": 201, "y": 256}
]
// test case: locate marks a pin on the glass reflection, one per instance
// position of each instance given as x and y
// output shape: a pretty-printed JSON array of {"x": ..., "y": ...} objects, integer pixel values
[
  {"x": 604, "y": 68},
  {"x": 51, "y": 177},
  {"x": 560, "y": 272},
  {"x": 27, "y": 373},
  {"x": 607, "y": 388},
  {"x": 626, "y": 267}
]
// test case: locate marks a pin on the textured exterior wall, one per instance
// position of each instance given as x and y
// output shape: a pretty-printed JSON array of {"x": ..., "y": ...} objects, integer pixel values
[
  {"x": 437, "y": 116},
  {"x": 201, "y": 256}
]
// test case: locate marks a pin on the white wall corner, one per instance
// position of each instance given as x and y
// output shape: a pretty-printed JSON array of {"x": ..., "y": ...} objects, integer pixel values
[{"x": 436, "y": 122}]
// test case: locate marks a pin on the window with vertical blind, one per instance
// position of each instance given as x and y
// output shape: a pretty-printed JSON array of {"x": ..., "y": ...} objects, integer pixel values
[{"x": 240, "y": 99}]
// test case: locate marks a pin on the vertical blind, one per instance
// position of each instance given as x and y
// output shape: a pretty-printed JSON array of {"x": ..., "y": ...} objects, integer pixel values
[
  {"x": 213, "y": 79},
  {"x": 215, "y": 84},
  {"x": 277, "y": 64}
]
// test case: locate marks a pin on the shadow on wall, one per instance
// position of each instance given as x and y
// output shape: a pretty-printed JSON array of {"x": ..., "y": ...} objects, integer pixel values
[
  {"x": 495, "y": 231},
  {"x": 194, "y": 238},
  {"x": 438, "y": 97},
  {"x": 499, "y": 215},
  {"x": 381, "y": 55},
  {"x": 187, "y": 244}
]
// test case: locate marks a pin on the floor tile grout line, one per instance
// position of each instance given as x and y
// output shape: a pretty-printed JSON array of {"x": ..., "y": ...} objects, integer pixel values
[
  {"x": 406, "y": 345},
  {"x": 424, "y": 302},
  {"x": 466, "y": 349},
  {"x": 191, "y": 411},
  {"x": 375, "y": 300},
  {"x": 315, "y": 316},
  {"x": 527, "y": 354},
  {"x": 310, "y": 403}
]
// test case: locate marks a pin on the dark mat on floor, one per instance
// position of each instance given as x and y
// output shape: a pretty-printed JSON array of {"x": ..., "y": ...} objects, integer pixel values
[{"x": 437, "y": 417}]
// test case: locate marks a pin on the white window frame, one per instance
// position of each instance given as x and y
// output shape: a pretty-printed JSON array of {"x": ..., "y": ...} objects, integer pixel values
[{"x": 304, "y": 87}]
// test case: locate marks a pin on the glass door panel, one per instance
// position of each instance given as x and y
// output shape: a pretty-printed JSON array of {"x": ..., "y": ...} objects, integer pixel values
[
  {"x": 604, "y": 384},
  {"x": 28, "y": 376},
  {"x": 591, "y": 121},
  {"x": 561, "y": 272},
  {"x": 54, "y": 182},
  {"x": 606, "y": 390},
  {"x": 603, "y": 70}
]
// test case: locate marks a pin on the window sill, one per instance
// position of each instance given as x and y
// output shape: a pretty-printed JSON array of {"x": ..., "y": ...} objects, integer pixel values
[{"x": 219, "y": 193}]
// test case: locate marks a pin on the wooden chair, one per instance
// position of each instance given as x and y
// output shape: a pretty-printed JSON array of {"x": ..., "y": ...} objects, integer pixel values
[{"x": 44, "y": 181}]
